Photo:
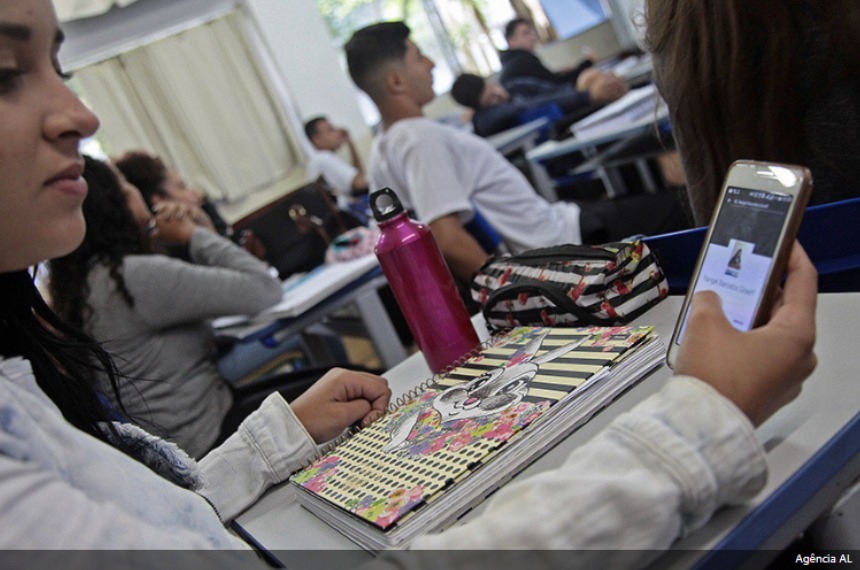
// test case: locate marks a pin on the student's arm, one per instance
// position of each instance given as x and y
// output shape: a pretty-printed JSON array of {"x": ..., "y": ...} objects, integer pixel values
[
  {"x": 359, "y": 184},
  {"x": 777, "y": 356},
  {"x": 223, "y": 280},
  {"x": 271, "y": 442},
  {"x": 353, "y": 153},
  {"x": 463, "y": 254}
]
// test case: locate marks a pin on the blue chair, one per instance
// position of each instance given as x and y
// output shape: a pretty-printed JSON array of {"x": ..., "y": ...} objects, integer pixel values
[
  {"x": 485, "y": 234},
  {"x": 551, "y": 111},
  {"x": 827, "y": 233}
]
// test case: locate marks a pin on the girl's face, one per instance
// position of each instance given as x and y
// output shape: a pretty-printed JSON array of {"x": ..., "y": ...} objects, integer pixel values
[
  {"x": 179, "y": 190},
  {"x": 41, "y": 124}
]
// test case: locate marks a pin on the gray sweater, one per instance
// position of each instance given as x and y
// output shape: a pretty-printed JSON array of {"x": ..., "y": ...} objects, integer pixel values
[{"x": 163, "y": 343}]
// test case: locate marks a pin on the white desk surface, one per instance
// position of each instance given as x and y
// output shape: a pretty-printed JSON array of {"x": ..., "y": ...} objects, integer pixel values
[
  {"x": 830, "y": 399},
  {"x": 336, "y": 294},
  {"x": 511, "y": 139},
  {"x": 552, "y": 149}
]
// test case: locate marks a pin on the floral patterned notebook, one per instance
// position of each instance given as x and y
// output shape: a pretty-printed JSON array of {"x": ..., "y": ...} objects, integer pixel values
[{"x": 446, "y": 431}]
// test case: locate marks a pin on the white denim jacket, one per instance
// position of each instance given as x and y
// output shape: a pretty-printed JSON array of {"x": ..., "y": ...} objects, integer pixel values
[{"x": 656, "y": 473}]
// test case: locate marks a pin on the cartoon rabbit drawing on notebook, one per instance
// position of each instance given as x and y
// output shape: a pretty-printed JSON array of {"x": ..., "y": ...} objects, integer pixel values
[{"x": 487, "y": 395}]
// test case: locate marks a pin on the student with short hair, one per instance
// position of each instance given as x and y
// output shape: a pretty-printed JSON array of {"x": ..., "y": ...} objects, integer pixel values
[
  {"x": 444, "y": 174},
  {"x": 347, "y": 180},
  {"x": 524, "y": 73}
]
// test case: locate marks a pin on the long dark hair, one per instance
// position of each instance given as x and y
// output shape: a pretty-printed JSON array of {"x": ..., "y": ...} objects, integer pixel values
[
  {"x": 112, "y": 234},
  {"x": 65, "y": 361},
  {"x": 730, "y": 71}
]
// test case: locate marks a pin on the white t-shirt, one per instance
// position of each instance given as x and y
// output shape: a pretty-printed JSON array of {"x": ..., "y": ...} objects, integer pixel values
[
  {"x": 337, "y": 172},
  {"x": 437, "y": 170}
]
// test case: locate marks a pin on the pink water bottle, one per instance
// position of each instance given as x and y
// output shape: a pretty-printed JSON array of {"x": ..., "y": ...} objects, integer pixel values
[{"x": 422, "y": 283}]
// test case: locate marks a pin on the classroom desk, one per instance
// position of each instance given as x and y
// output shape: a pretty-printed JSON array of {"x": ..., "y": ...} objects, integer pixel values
[
  {"x": 812, "y": 453},
  {"x": 554, "y": 149},
  {"x": 522, "y": 138},
  {"x": 363, "y": 292}
]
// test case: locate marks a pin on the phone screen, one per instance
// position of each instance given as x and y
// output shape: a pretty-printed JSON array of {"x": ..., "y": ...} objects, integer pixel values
[{"x": 740, "y": 253}]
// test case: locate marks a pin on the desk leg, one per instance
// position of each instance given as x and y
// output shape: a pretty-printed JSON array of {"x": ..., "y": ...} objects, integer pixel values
[
  {"x": 382, "y": 333},
  {"x": 646, "y": 176},
  {"x": 543, "y": 183},
  {"x": 613, "y": 181}
]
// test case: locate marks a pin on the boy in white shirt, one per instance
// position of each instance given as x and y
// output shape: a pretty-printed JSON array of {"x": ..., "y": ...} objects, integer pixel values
[{"x": 347, "y": 180}]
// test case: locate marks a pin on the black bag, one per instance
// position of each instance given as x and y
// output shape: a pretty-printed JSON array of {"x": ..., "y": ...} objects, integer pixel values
[
  {"x": 297, "y": 229},
  {"x": 569, "y": 285}
]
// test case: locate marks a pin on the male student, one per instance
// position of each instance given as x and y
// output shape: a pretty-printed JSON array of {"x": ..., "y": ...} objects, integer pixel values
[
  {"x": 444, "y": 174},
  {"x": 496, "y": 109},
  {"x": 523, "y": 72},
  {"x": 347, "y": 180}
]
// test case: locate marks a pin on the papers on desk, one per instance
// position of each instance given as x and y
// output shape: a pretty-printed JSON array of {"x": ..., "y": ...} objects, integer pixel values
[
  {"x": 302, "y": 292},
  {"x": 632, "y": 67},
  {"x": 638, "y": 105}
]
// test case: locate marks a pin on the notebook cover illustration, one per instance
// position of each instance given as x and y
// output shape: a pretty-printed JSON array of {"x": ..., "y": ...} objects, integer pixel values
[{"x": 436, "y": 438}]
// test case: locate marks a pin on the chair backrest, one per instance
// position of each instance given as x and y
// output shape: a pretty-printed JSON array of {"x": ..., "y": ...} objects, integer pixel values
[
  {"x": 827, "y": 233},
  {"x": 485, "y": 234},
  {"x": 293, "y": 247},
  {"x": 551, "y": 111}
]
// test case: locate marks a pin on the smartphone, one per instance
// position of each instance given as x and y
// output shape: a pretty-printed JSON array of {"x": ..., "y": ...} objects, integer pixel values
[{"x": 746, "y": 248}]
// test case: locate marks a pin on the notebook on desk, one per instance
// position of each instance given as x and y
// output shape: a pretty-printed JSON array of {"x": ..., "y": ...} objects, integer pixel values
[
  {"x": 448, "y": 444},
  {"x": 638, "y": 105}
]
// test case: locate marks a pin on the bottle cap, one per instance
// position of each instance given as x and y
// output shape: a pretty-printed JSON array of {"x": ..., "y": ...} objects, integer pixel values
[{"x": 385, "y": 204}]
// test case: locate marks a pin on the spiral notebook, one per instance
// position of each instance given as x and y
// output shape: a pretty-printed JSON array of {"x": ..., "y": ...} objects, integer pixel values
[{"x": 460, "y": 435}]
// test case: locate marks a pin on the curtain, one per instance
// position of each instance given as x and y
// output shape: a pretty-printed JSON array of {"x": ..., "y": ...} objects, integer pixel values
[
  {"x": 201, "y": 101},
  {"x": 68, "y": 10}
]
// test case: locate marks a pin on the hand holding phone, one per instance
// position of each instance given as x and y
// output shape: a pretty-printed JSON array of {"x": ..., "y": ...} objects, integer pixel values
[
  {"x": 763, "y": 369},
  {"x": 747, "y": 245}
]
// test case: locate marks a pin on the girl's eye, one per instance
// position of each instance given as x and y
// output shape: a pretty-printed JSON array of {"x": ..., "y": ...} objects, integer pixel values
[{"x": 10, "y": 79}]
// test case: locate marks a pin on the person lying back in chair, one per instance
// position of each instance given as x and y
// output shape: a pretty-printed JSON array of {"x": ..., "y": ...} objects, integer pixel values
[{"x": 496, "y": 109}]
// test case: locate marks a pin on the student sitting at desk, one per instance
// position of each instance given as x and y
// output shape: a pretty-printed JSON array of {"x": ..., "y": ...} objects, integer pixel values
[
  {"x": 444, "y": 174},
  {"x": 792, "y": 95},
  {"x": 522, "y": 71},
  {"x": 158, "y": 183},
  {"x": 71, "y": 478},
  {"x": 151, "y": 311},
  {"x": 347, "y": 180},
  {"x": 496, "y": 110}
]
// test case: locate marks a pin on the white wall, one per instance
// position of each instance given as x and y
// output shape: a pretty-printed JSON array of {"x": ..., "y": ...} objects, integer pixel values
[
  {"x": 121, "y": 29},
  {"x": 300, "y": 43},
  {"x": 567, "y": 53}
]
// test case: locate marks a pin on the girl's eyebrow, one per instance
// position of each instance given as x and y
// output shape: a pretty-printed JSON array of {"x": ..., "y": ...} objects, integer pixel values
[{"x": 15, "y": 31}]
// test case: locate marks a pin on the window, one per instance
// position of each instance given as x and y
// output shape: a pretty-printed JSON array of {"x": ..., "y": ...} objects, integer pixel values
[
  {"x": 572, "y": 17},
  {"x": 194, "y": 98},
  {"x": 457, "y": 35}
]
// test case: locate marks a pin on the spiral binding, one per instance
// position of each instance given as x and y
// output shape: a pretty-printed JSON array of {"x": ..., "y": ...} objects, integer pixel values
[{"x": 404, "y": 399}]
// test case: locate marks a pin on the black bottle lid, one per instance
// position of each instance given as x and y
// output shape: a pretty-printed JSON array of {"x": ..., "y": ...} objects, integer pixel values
[{"x": 385, "y": 204}]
